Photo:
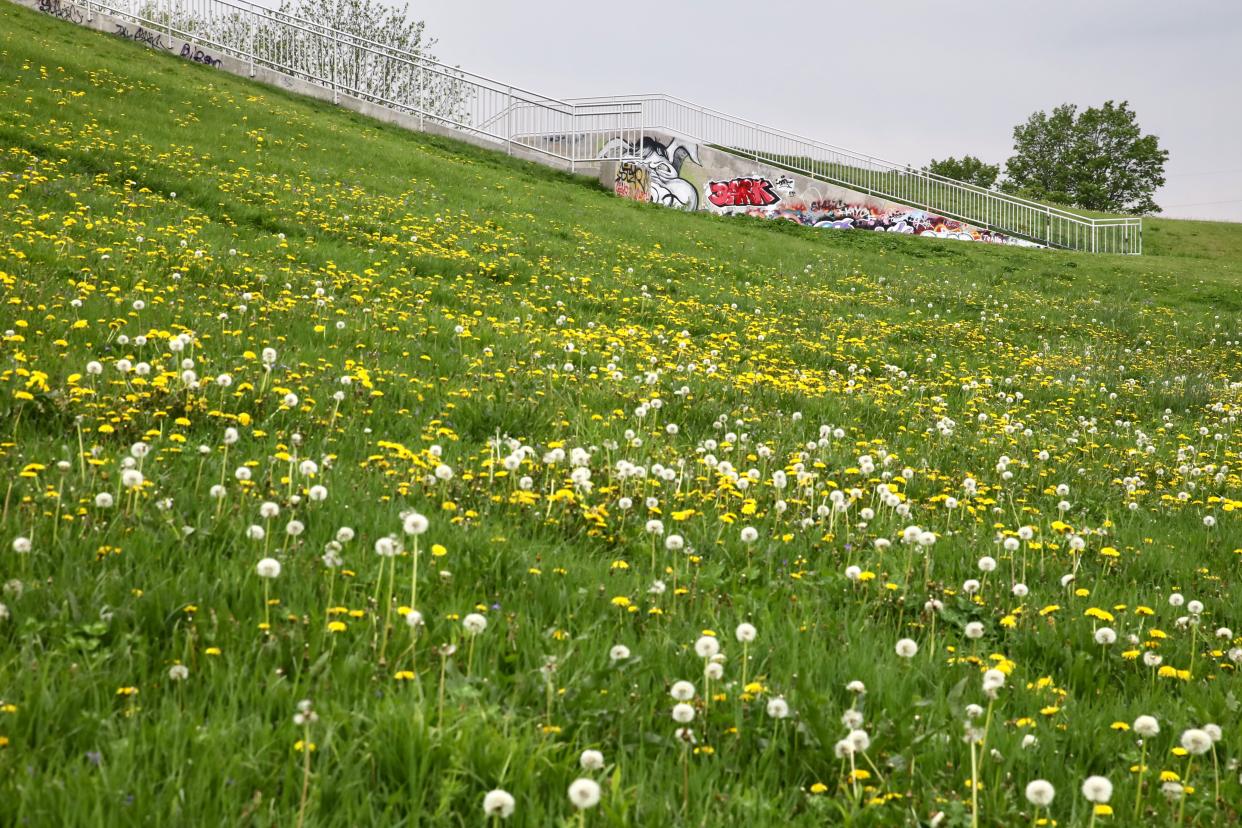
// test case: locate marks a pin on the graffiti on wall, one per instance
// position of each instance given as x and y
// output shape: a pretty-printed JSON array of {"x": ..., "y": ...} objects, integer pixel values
[
  {"x": 632, "y": 181},
  {"x": 64, "y": 11},
  {"x": 841, "y": 215},
  {"x": 757, "y": 196},
  {"x": 742, "y": 192},
  {"x": 141, "y": 35},
  {"x": 656, "y": 175},
  {"x": 199, "y": 56}
]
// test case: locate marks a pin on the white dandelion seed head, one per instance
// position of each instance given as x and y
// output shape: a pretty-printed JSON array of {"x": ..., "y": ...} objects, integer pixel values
[
  {"x": 498, "y": 803},
  {"x": 268, "y": 568},
  {"x": 474, "y": 623},
  {"x": 682, "y": 691},
  {"x": 415, "y": 524},
  {"x": 1146, "y": 726},
  {"x": 1040, "y": 792},
  {"x": 1097, "y": 789},
  {"x": 1196, "y": 741},
  {"x": 706, "y": 647},
  {"x": 778, "y": 708}
]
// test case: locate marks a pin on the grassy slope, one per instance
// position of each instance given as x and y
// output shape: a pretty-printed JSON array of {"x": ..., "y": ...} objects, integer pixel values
[{"x": 411, "y": 238}]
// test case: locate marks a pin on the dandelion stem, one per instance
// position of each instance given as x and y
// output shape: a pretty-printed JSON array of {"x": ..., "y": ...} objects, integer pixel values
[
  {"x": 414, "y": 577},
  {"x": 387, "y": 608},
  {"x": 1216, "y": 772},
  {"x": 443, "y": 670},
  {"x": 306, "y": 752},
  {"x": 974, "y": 786},
  {"x": 685, "y": 778},
  {"x": 1138, "y": 792},
  {"x": 745, "y": 660},
  {"x": 1181, "y": 802}
]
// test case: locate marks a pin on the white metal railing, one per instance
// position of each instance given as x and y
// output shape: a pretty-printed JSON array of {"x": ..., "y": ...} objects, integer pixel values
[
  {"x": 358, "y": 67},
  {"x": 576, "y": 130},
  {"x": 991, "y": 209}
]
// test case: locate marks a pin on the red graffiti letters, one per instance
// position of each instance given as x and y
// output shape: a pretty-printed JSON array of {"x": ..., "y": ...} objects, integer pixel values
[{"x": 742, "y": 192}]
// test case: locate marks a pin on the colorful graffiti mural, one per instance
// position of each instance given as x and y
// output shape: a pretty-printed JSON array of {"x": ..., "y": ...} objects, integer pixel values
[
  {"x": 656, "y": 170},
  {"x": 757, "y": 196},
  {"x": 841, "y": 215},
  {"x": 656, "y": 176},
  {"x": 742, "y": 192}
]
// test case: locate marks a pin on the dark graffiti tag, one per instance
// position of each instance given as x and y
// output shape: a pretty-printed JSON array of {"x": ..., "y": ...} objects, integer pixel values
[
  {"x": 742, "y": 192},
  {"x": 198, "y": 56},
  {"x": 64, "y": 11},
  {"x": 153, "y": 39},
  {"x": 632, "y": 181}
]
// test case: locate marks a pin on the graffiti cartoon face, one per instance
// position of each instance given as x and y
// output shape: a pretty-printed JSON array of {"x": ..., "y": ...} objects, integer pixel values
[{"x": 661, "y": 162}]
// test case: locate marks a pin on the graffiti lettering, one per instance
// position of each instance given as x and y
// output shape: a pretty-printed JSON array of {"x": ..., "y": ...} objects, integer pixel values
[
  {"x": 742, "y": 192},
  {"x": 64, "y": 11},
  {"x": 632, "y": 181},
  {"x": 660, "y": 178},
  {"x": 153, "y": 39},
  {"x": 198, "y": 56}
]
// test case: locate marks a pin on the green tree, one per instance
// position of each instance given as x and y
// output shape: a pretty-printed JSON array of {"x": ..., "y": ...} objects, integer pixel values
[
  {"x": 1096, "y": 159},
  {"x": 967, "y": 168}
]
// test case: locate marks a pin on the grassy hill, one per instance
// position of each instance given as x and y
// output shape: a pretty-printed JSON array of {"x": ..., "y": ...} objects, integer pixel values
[{"x": 242, "y": 326}]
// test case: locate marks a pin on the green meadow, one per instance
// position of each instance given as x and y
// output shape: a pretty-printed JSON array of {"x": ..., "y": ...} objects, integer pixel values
[{"x": 352, "y": 474}]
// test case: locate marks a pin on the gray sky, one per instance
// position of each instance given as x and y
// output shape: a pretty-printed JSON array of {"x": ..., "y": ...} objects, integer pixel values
[{"x": 896, "y": 79}]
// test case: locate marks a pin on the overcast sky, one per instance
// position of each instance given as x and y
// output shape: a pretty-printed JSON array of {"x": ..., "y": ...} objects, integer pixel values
[{"x": 906, "y": 81}]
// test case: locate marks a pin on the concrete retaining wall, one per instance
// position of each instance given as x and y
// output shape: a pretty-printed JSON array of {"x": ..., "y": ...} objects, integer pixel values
[{"x": 160, "y": 41}]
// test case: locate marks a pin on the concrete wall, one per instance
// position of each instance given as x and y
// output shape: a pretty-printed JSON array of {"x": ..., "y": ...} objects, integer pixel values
[
  {"x": 688, "y": 176},
  {"x": 161, "y": 41}
]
